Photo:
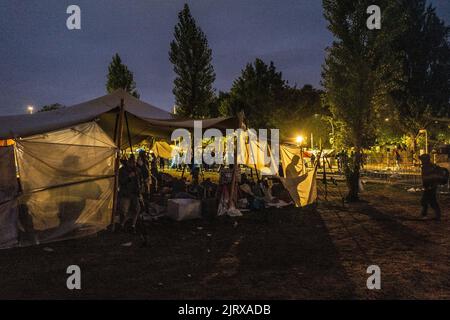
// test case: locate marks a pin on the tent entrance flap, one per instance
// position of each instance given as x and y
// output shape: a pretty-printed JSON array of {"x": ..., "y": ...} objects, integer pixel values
[{"x": 67, "y": 182}]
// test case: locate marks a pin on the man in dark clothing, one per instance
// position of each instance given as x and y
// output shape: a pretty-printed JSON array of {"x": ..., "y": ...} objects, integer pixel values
[
  {"x": 143, "y": 166},
  {"x": 430, "y": 187},
  {"x": 154, "y": 173}
]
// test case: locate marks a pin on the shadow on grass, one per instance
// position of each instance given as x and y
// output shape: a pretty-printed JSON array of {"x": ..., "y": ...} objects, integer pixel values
[
  {"x": 282, "y": 254},
  {"x": 394, "y": 228}
]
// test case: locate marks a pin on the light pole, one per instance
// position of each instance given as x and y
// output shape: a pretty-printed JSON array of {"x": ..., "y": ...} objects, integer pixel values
[
  {"x": 300, "y": 140},
  {"x": 426, "y": 138},
  {"x": 30, "y": 109}
]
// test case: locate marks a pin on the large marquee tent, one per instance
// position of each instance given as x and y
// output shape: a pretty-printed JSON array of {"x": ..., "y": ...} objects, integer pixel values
[{"x": 67, "y": 161}]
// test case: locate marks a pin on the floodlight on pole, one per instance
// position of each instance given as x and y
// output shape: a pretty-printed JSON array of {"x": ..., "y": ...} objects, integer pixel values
[
  {"x": 426, "y": 138},
  {"x": 299, "y": 140}
]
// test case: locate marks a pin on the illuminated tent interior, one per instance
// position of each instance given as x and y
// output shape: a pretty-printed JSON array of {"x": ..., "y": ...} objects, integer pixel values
[
  {"x": 66, "y": 160},
  {"x": 59, "y": 168}
]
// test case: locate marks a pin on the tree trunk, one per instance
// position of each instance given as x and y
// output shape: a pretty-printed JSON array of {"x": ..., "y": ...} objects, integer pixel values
[
  {"x": 353, "y": 175},
  {"x": 413, "y": 148}
]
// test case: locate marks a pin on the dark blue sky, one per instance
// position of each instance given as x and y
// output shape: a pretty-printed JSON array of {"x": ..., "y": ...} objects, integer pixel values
[{"x": 42, "y": 62}]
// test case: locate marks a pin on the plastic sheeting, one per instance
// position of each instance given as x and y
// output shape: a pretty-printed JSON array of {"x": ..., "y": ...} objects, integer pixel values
[
  {"x": 162, "y": 149},
  {"x": 8, "y": 203},
  {"x": 257, "y": 154},
  {"x": 302, "y": 185},
  {"x": 41, "y": 122},
  {"x": 67, "y": 181}
]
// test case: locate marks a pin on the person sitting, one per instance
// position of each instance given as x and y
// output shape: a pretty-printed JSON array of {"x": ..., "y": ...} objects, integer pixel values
[
  {"x": 194, "y": 187},
  {"x": 209, "y": 187}
]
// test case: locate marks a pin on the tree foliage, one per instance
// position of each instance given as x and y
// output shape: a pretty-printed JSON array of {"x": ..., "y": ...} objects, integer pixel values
[
  {"x": 415, "y": 69},
  {"x": 119, "y": 77},
  {"x": 269, "y": 102},
  {"x": 349, "y": 76},
  {"x": 191, "y": 58},
  {"x": 258, "y": 91}
]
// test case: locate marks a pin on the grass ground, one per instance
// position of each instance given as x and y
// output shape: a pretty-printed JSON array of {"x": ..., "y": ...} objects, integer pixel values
[{"x": 273, "y": 254}]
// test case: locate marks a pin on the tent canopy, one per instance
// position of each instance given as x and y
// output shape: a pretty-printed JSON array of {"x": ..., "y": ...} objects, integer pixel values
[
  {"x": 42, "y": 122},
  {"x": 143, "y": 119}
]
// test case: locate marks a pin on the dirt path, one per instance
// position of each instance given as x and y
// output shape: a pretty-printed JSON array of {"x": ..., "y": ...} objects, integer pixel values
[{"x": 387, "y": 231}]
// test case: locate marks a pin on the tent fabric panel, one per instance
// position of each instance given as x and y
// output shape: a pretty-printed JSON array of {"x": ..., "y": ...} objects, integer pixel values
[
  {"x": 8, "y": 205},
  {"x": 65, "y": 212},
  {"x": 8, "y": 179},
  {"x": 302, "y": 188},
  {"x": 162, "y": 149},
  {"x": 219, "y": 123},
  {"x": 67, "y": 179},
  {"x": 41, "y": 122},
  {"x": 85, "y": 134}
]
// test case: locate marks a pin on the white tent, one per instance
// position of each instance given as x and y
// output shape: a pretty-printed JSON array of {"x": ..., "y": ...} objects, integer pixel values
[{"x": 67, "y": 161}]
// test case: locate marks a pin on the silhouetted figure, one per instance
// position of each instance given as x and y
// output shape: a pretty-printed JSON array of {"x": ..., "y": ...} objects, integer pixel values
[
  {"x": 291, "y": 170},
  {"x": 294, "y": 178},
  {"x": 313, "y": 160},
  {"x": 143, "y": 165},
  {"x": 129, "y": 192},
  {"x": 430, "y": 185}
]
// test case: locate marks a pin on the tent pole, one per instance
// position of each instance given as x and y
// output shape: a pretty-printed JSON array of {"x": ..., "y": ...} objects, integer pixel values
[
  {"x": 253, "y": 157},
  {"x": 128, "y": 132},
  {"x": 117, "y": 163},
  {"x": 234, "y": 179},
  {"x": 325, "y": 175},
  {"x": 115, "y": 127}
]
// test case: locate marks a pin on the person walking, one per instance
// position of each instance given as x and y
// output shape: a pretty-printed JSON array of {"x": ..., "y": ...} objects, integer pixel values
[{"x": 430, "y": 183}]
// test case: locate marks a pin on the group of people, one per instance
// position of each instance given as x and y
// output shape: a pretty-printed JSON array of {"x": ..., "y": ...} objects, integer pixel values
[{"x": 137, "y": 177}]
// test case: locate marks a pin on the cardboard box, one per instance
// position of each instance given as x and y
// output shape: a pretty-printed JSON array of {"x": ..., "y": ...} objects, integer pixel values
[{"x": 184, "y": 209}]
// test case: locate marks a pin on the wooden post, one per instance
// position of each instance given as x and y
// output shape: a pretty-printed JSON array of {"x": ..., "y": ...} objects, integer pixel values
[
  {"x": 233, "y": 191},
  {"x": 128, "y": 133},
  {"x": 118, "y": 141}
]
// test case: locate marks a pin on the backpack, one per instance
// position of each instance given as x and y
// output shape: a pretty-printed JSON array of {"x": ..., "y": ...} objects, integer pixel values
[{"x": 442, "y": 175}]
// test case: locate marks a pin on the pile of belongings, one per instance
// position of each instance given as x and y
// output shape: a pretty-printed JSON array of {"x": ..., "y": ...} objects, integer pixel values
[{"x": 259, "y": 195}]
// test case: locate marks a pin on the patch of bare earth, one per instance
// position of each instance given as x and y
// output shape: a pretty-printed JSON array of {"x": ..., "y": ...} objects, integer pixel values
[{"x": 272, "y": 254}]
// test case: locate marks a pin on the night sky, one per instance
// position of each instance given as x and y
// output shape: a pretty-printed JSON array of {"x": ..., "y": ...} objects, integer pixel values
[{"x": 42, "y": 62}]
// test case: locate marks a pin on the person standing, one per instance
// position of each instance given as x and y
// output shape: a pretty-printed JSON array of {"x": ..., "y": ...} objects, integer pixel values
[
  {"x": 397, "y": 157},
  {"x": 430, "y": 184},
  {"x": 143, "y": 165},
  {"x": 129, "y": 193}
]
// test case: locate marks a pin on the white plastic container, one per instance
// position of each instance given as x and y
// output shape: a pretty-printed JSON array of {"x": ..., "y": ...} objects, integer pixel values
[{"x": 184, "y": 209}]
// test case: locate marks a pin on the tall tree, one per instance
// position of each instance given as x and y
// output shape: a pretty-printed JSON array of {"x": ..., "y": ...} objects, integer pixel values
[
  {"x": 348, "y": 76},
  {"x": 258, "y": 92},
  {"x": 119, "y": 77},
  {"x": 269, "y": 102},
  {"x": 416, "y": 65},
  {"x": 191, "y": 58}
]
